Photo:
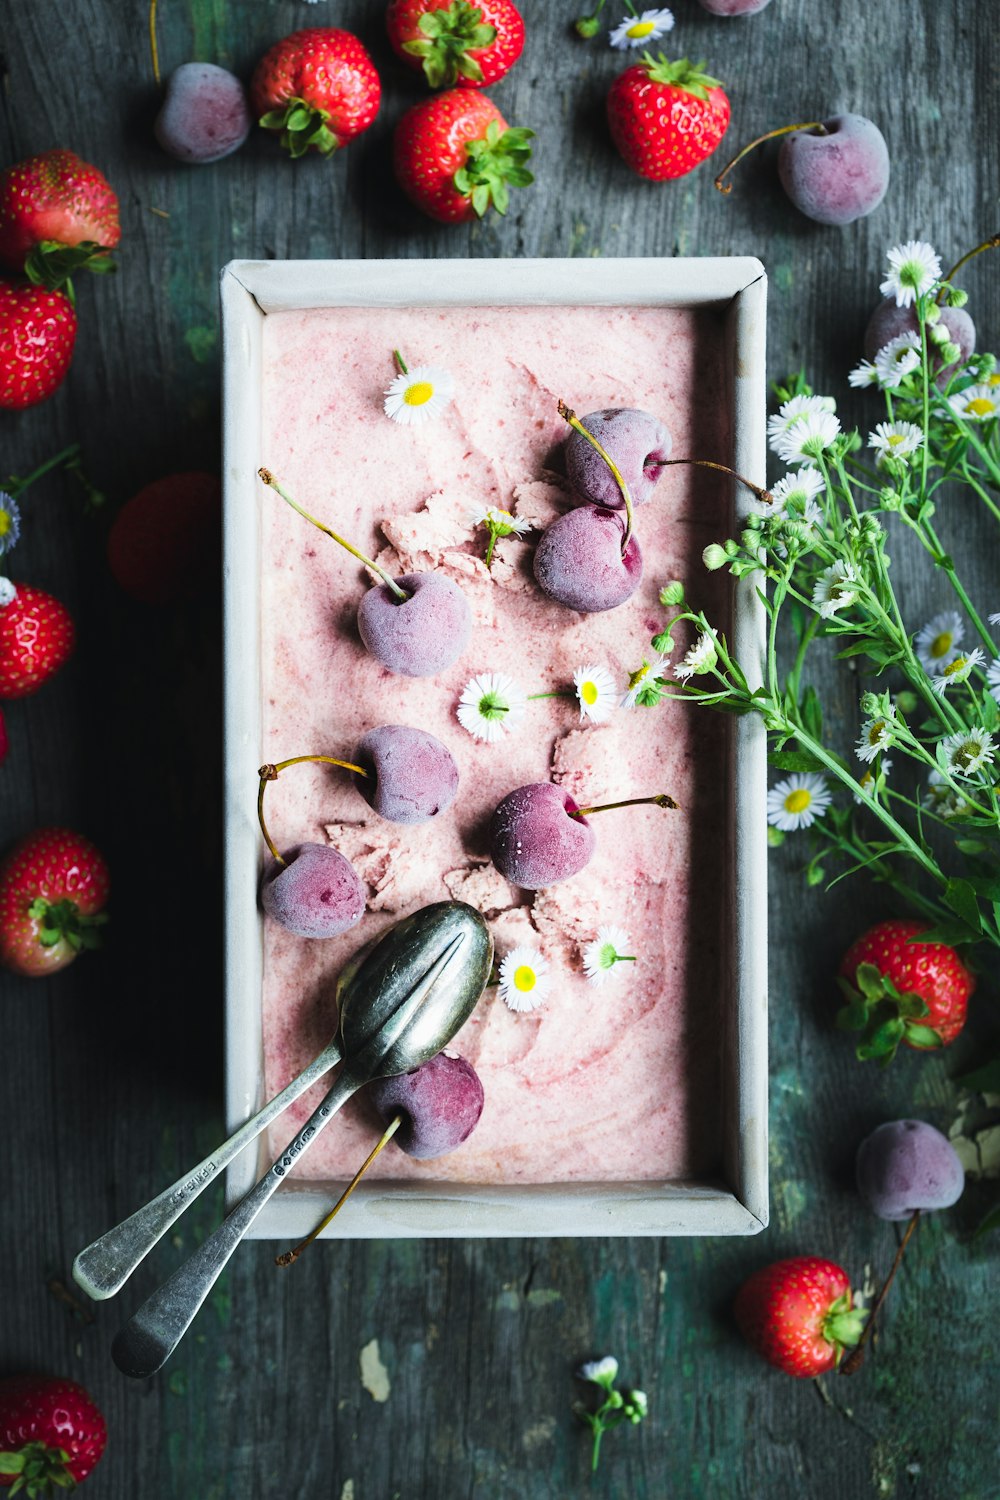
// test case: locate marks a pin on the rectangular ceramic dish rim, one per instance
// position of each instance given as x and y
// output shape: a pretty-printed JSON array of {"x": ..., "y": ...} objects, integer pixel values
[{"x": 738, "y": 1204}]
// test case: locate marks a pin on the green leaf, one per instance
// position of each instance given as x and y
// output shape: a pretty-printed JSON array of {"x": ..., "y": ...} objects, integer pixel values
[
  {"x": 480, "y": 198},
  {"x": 794, "y": 760},
  {"x": 870, "y": 982},
  {"x": 990, "y": 712},
  {"x": 911, "y": 1007},
  {"x": 11, "y": 1463},
  {"x": 987, "y": 886},
  {"x": 883, "y": 1041},
  {"x": 961, "y": 898},
  {"x": 952, "y": 933},
  {"x": 853, "y": 1017},
  {"x": 923, "y": 1037}
]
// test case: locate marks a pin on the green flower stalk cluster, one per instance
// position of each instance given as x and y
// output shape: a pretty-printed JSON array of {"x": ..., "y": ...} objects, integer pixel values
[
  {"x": 615, "y": 1406},
  {"x": 916, "y": 801}
]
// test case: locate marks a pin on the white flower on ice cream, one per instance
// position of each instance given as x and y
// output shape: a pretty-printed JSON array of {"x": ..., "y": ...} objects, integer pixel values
[
  {"x": 596, "y": 693},
  {"x": 524, "y": 979},
  {"x": 491, "y": 706},
  {"x": 419, "y": 394}
]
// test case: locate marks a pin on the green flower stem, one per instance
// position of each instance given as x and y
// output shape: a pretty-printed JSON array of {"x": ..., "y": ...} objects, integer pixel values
[
  {"x": 981, "y": 449},
  {"x": 555, "y": 693},
  {"x": 387, "y": 579},
  {"x": 925, "y": 381},
  {"x": 983, "y": 495},
  {"x": 16, "y": 486},
  {"x": 401, "y": 364}
]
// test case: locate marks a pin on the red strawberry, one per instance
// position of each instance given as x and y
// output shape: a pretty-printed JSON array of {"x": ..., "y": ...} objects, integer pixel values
[
  {"x": 454, "y": 155},
  {"x": 666, "y": 117},
  {"x": 165, "y": 541},
  {"x": 36, "y": 637},
  {"x": 797, "y": 1313},
  {"x": 458, "y": 43},
  {"x": 902, "y": 991},
  {"x": 51, "y": 1434},
  {"x": 53, "y": 887},
  {"x": 57, "y": 215},
  {"x": 37, "y": 334},
  {"x": 318, "y": 87}
]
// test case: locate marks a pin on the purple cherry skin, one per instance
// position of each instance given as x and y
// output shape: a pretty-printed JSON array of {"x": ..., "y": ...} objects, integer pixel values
[
  {"x": 905, "y": 1165},
  {"x": 579, "y": 561},
  {"x": 421, "y": 635},
  {"x": 637, "y": 441},
  {"x": 411, "y": 775},
  {"x": 205, "y": 114},
  {"x": 888, "y": 321},
  {"x": 441, "y": 1102},
  {"x": 534, "y": 842},
  {"x": 315, "y": 894},
  {"x": 838, "y": 176}
]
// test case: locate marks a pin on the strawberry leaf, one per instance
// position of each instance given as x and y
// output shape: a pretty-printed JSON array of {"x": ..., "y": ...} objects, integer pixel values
[
  {"x": 303, "y": 128},
  {"x": 870, "y": 982},
  {"x": 922, "y": 1036},
  {"x": 448, "y": 36},
  {"x": 680, "y": 74},
  {"x": 494, "y": 163}
]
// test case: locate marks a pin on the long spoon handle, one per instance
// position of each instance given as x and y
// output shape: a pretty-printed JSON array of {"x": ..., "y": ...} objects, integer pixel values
[
  {"x": 105, "y": 1266},
  {"x": 150, "y": 1337}
]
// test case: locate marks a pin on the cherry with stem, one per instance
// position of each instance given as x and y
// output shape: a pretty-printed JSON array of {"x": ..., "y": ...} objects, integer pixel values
[
  {"x": 727, "y": 187},
  {"x": 855, "y": 1359},
  {"x": 269, "y": 772},
  {"x": 574, "y": 421},
  {"x": 380, "y": 573}
]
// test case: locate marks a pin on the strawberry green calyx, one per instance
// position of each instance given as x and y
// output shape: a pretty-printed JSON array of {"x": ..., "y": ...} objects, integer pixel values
[
  {"x": 303, "y": 128},
  {"x": 36, "y": 1469},
  {"x": 884, "y": 1015},
  {"x": 448, "y": 36},
  {"x": 52, "y": 264},
  {"x": 681, "y": 74},
  {"x": 493, "y": 163},
  {"x": 63, "y": 921},
  {"x": 843, "y": 1324}
]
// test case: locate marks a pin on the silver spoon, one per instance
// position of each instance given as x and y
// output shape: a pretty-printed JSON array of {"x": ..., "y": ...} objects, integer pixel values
[{"x": 399, "y": 1005}]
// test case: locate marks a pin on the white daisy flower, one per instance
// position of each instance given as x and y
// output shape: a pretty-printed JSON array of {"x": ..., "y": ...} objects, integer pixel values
[
  {"x": 895, "y": 440},
  {"x": 491, "y": 706},
  {"x": 642, "y": 679},
  {"x": 608, "y": 948},
  {"x": 941, "y": 798},
  {"x": 913, "y": 270},
  {"x": 993, "y": 677},
  {"x": 807, "y": 437},
  {"x": 600, "y": 1371},
  {"x": 897, "y": 359},
  {"x": 959, "y": 669},
  {"x": 499, "y": 520},
  {"x": 798, "y": 801},
  {"x": 835, "y": 589},
  {"x": 418, "y": 395},
  {"x": 977, "y": 403},
  {"x": 701, "y": 657},
  {"x": 969, "y": 750},
  {"x": 863, "y": 374},
  {"x": 524, "y": 979},
  {"x": 790, "y": 411},
  {"x": 596, "y": 692},
  {"x": 8, "y": 593},
  {"x": 995, "y": 619},
  {"x": 799, "y": 489},
  {"x": 876, "y": 736},
  {"x": 937, "y": 642},
  {"x": 869, "y": 780},
  {"x": 639, "y": 31}
]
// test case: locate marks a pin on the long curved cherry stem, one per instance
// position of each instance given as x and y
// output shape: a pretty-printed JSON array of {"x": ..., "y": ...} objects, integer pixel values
[
  {"x": 662, "y": 800},
  {"x": 856, "y": 1358},
  {"x": 387, "y": 579},
  {"x": 154, "y": 50},
  {"x": 269, "y": 772},
  {"x": 764, "y": 496},
  {"x": 993, "y": 243},
  {"x": 289, "y": 1256},
  {"x": 727, "y": 187},
  {"x": 577, "y": 426}
]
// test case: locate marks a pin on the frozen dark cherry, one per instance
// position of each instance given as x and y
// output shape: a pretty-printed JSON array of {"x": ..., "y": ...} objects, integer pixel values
[
  {"x": 205, "y": 113},
  {"x": 579, "y": 561},
  {"x": 440, "y": 1103},
  {"x": 411, "y": 775},
  {"x": 638, "y": 443},
  {"x": 539, "y": 835},
  {"x": 314, "y": 893},
  {"x": 907, "y": 1165}
]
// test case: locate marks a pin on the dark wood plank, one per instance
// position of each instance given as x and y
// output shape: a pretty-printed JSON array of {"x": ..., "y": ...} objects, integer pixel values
[{"x": 112, "y": 1076}]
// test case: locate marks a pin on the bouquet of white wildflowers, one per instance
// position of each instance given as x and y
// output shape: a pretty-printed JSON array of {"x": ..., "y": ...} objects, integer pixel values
[{"x": 914, "y": 801}]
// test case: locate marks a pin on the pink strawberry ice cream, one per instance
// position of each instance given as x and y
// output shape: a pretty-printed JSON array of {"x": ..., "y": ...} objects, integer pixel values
[{"x": 613, "y": 1083}]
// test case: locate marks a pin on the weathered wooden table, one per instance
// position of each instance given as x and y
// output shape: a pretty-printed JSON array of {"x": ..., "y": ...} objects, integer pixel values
[{"x": 112, "y": 1070}]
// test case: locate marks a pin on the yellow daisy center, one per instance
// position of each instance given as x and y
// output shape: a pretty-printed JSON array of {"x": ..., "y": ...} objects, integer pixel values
[
  {"x": 981, "y": 406},
  {"x": 641, "y": 29},
  {"x": 993, "y": 379},
  {"x": 876, "y": 732},
  {"x": 798, "y": 801},
  {"x": 419, "y": 393},
  {"x": 524, "y": 978},
  {"x": 896, "y": 437},
  {"x": 941, "y": 644},
  {"x": 588, "y": 692},
  {"x": 5, "y": 522},
  {"x": 958, "y": 665}
]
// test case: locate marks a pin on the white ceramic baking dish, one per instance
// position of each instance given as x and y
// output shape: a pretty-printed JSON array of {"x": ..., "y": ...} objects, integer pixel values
[{"x": 737, "y": 1201}]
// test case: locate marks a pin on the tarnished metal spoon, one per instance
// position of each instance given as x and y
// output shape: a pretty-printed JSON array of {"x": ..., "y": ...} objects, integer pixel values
[{"x": 399, "y": 1005}]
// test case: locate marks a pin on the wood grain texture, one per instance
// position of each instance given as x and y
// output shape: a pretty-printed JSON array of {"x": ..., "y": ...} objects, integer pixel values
[{"x": 111, "y": 1079}]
